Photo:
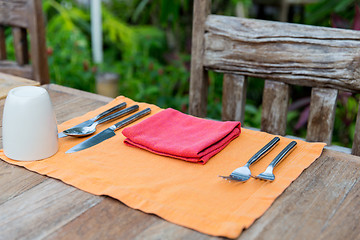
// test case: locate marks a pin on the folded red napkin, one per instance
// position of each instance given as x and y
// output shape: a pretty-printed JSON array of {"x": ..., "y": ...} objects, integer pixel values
[{"x": 175, "y": 134}]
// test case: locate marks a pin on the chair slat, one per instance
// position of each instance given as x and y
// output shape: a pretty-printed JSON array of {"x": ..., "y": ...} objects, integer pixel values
[
  {"x": 14, "y": 13},
  {"x": 356, "y": 143},
  {"x": 275, "y": 104},
  {"x": 234, "y": 97},
  {"x": 199, "y": 78},
  {"x": 2, "y": 43},
  {"x": 13, "y": 68},
  {"x": 20, "y": 45},
  {"x": 322, "y": 115}
]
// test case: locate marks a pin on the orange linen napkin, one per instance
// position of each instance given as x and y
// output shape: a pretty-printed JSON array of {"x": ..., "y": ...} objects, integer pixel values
[
  {"x": 175, "y": 134},
  {"x": 188, "y": 194}
]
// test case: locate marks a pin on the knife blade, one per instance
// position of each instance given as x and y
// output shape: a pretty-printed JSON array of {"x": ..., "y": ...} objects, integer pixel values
[
  {"x": 92, "y": 120},
  {"x": 108, "y": 133}
]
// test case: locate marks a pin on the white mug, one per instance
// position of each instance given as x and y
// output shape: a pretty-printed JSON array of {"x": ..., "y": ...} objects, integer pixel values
[{"x": 29, "y": 124}]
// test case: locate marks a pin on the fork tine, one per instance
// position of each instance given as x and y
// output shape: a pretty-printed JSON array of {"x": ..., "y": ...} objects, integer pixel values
[{"x": 226, "y": 177}]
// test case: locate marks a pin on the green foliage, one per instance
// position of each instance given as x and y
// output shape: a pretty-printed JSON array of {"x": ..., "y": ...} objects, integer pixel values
[
  {"x": 320, "y": 12},
  {"x": 10, "y": 51},
  {"x": 344, "y": 126},
  {"x": 68, "y": 46}
]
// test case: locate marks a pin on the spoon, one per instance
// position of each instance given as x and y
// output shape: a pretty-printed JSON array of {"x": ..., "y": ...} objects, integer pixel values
[{"x": 86, "y": 131}]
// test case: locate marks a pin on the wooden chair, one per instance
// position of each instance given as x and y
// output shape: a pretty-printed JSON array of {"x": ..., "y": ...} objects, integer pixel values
[
  {"x": 24, "y": 17},
  {"x": 326, "y": 59}
]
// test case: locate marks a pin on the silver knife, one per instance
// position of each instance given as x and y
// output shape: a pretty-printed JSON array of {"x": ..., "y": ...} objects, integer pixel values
[
  {"x": 92, "y": 120},
  {"x": 108, "y": 133}
]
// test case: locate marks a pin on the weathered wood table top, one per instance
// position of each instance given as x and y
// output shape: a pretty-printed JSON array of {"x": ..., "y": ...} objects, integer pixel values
[
  {"x": 8, "y": 82},
  {"x": 323, "y": 203}
]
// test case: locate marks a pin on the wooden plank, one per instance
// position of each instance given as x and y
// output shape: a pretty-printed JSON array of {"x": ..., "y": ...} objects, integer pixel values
[
  {"x": 322, "y": 115},
  {"x": 2, "y": 43},
  {"x": 36, "y": 209},
  {"x": 356, "y": 143},
  {"x": 234, "y": 97},
  {"x": 13, "y": 68},
  {"x": 77, "y": 92},
  {"x": 69, "y": 103},
  {"x": 13, "y": 13},
  {"x": 15, "y": 180},
  {"x": 320, "y": 204},
  {"x": 8, "y": 82},
  {"x": 38, "y": 42},
  {"x": 20, "y": 46},
  {"x": 292, "y": 53},
  {"x": 138, "y": 225},
  {"x": 198, "y": 77},
  {"x": 274, "y": 107}
]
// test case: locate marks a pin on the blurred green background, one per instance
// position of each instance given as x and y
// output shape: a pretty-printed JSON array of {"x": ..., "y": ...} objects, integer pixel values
[{"x": 147, "y": 44}]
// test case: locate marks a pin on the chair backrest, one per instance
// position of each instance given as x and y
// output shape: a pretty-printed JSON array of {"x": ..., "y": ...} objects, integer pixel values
[
  {"x": 24, "y": 17},
  {"x": 283, "y": 54}
]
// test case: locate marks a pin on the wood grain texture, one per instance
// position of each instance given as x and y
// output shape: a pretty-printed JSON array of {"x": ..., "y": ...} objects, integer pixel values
[
  {"x": 322, "y": 115},
  {"x": 15, "y": 180},
  {"x": 13, "y": 68},
  {"x": 2, "y": 43},
  {"x": 14, "y": 13},
  {"x": 292, "y": 53},
  {"x": 8, "y": 82},
  {"x": 199, "y": 78},
  {"x": 43, "y": 208},
  {"x": 234, "y": 97},
  {"x": 69, "y": 103},
  {"x": 321, "y": 204},
  {"x": 121, "y": 222},
  {"x": 20, "y": 45},
  {"x": 274, "y": 107}
]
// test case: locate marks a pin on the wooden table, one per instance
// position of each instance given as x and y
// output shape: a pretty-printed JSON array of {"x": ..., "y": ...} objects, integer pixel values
[
  {"x": 8, "y": 82},
  {"x": 323, "y": 203}
]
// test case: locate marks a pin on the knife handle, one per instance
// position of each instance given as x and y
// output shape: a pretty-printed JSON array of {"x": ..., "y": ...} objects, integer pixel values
[
  {"x": 113, "y": 109},
  {"x": 131, "y": 119},
  {"x": 265, "y": 150},
  {"x": 119, "y": 114}
]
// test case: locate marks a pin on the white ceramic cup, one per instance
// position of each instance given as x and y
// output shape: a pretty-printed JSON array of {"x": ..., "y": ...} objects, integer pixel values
[{"x": 29, "y": 124}]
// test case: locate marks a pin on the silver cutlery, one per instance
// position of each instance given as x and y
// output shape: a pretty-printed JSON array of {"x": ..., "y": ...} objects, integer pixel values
[
  {"x": 243, "y": 173},
  {"x": 88, "y": 130},
  {"x": 92, "y": 120},
  {"x": 109, "y": 132},
  {"x": 268, "y": 174}
]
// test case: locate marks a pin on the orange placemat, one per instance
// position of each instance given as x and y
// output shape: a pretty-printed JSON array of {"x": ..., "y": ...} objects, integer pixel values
[{"x": 188, "y": 194}]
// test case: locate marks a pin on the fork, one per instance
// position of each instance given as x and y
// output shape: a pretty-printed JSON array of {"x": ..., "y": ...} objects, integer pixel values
[
  {"x": 243, "y": 173},
  {"x": 268, "y": 174}
]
